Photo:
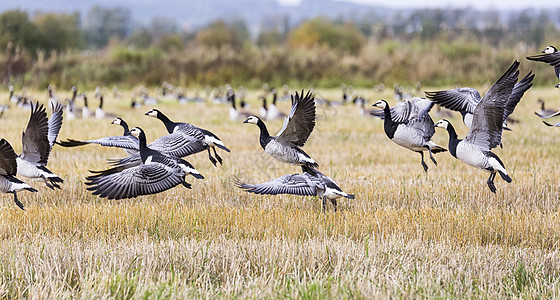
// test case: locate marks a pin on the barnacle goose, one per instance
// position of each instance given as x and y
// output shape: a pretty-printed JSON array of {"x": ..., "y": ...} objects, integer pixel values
[
  {"x": 157, "y": 173},
  {"x": 13, "y": 98},
  {"x": 409, "y": 125},
  {"x": 234, "y": 113},
  {"x": 551, "y": 56},
  {"x": 310, "y": 183},
  {"x": 272, "y": 113},
  {"x": 299, "y": 124},
  {"x": 85, "y": 110},
  {"x": 464, "y": 100},
  {"x": 8, "y": 169},
  {"x": 38, "y": 139},
  {"x": 52, "y": 100},
  {"x": 191, "y": 132},
  {"x": 486, "y": 130}
]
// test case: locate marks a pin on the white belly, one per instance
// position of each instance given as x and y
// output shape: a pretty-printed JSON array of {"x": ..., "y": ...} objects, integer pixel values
[
  {"x": 471, "y": 155},
  {"x": 409, "y": 138}
]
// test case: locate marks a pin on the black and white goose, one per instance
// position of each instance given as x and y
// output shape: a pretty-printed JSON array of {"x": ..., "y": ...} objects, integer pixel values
[
  {"x": 234, "y": 113},
  {"x": 299, "y": 124},
  {"x": 156, "y": 173},
  {"x": 551, "y": 56},
  {"x": 8, "y": 169},
  {"x": 13, "y": 98},
  {"x": 38, "y": 139},
  {"x": 464, "y": 100},
  {"x": 52, "y": 100},
  {"x": 310, "y": 183},
  {"x": 486, "y": 130},
  {"x": 272, "y": 113},
  {"x": 544, "y": 112},
  {"x": 207, "y": 139},
  {"x": 127, "y": 141},
  {"x": 409, "y": 125}
]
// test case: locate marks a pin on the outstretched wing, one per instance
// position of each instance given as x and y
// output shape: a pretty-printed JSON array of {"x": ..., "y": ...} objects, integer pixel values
[
  {"x": 552, "y": 59},
  {"x": 36, "y": 147},
  {"x": 55, "y": 123},
  {"x": 487, "y": 124},
  {"x": 518, "y": 91},
  {"x": 120, "y": 141},
  {"x": 295, "y": 184},
  {"x": 299, "y": 124},
  {"x": 462, "y": 99},
  {"x": 8, "y": 164},
  {"x": 178, "y": 145}
]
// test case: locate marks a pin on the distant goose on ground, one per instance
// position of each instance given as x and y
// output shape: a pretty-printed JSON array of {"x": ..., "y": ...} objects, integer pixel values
[
  {"x": 99, "y": 112},
  {"x": 464, "y": 100},
  {"x": 157, "y": 173},
  {"x": 190, "y": 132},
  {"x": 310, "y": 183},
  {"x": 272, "y": 112},
  {"x": 486, "y": 130},
  {"x": 234, "y": 113},
  {"x": 299, "y": 124},
  {"x": 409, "y": 125},
  {"x": 3, "y": 108},
  {"x": 38, "y": 139},
  {"x": 52, "y": 100},
  {"x": 127, "y": 141},
  {"x": 550, "y": 56},
  {"x": 361, "y": 102},
  {"x": 85, "y": 110},
  {"x": 8, "y": 169},
  {"x": 263, "y": 109},
  {"x": 13, "y": 98},
  {"x": 544, "y": 112}
]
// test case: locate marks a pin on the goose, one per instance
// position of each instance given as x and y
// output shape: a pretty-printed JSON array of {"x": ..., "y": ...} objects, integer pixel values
[
  {"x": 263, "y": 110},
  {"x": 13, "y": 98},
  {"x": 85, "y": 110},
  {"x": 273, "y": 113},
  {"x": 157, "y": 173},
  {"x": 38, "y": 139},
  {"x": 52, "y": 100},
  {"x": 544, "y": 112},
  {"x": 464, "y": 100},
  {"x": 299, "y": 124},
  {"x": 3, "y": 108},
  {"x": 127, "y": 141},
  {"x": 310, "y": 183},
  {"x": 363, "y": 111},
  {"x": 551, "y": 56},
  {"x": 8, "y": 170},
  {"x": 100, "y": 113},
  {"x": 203, "y": 137},
  {"x": 409, "y": 125},
  {"x": 235, "y": 114},
  {"x": 486, "y": 130}
]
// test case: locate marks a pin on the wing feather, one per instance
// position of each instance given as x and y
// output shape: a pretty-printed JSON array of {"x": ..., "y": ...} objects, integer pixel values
[{"x": 299, "y": 124}]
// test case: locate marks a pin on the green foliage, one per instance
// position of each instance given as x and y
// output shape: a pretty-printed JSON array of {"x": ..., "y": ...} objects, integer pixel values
[
  {"x": 101, "y": 24},
  {"x": 220, "y": 34},
  {"x": 321, "y": 31},
  {"x": 60, "y": 31},
  {"x": 17, "y": 30}
]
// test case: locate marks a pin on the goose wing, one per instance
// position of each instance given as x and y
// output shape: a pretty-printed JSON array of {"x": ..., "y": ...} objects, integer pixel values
[
  {"x": 462, "y": 99},
  {"x": 178, "y": 145},
  {"x": 518, "y": 91},
  {"x": 487, "y": 124},
  {"x": 119, "y": 141},
  {"x": 135, "y": 181},
  {"x": 295, "y": 184},
  {"x": 299, "y": 124},
  {"x": 552, "y": 59},
  {"x": 55, "y": 123},
  {"x": 419, "y": 117},
  {"x": 8, "y": 164},
  {"x": 36, "y": 147}
]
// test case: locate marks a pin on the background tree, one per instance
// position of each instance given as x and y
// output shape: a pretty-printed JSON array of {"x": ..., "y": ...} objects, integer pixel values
[
  {"x": 103, "y": 23},
  {"x": 62, "y": 30},
  {"x": 16, "y": 28}
]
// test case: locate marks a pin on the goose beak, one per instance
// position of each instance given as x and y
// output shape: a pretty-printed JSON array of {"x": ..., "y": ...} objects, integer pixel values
[{"x": 246, "y": 121}]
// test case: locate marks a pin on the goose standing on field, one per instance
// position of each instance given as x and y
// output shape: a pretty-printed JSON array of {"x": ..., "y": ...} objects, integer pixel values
[
  {"x": 464, "y": 100},
  {"x": 52, "y": 100},
  {"x": 85, "y": 110},
  {"x": 310, "y": 183},
  {"x": 486, "y": 130},
  {"x": 551, "y": 56},
  {"x": 157, "y": 173},
  {"x": 8, "y": 169},
  {"x": 409, "y": 125},
  {"x": 544, "y": 112},
  {"x": 235, "y": 114},
  {"x": 13, "y": 98},
  {"x": 272, "y": 112},
  {"x": 38, "y": 139},
  {"x": 99, "y": 112},
  {"x": 299, "y": 124},
  {"x": 207, "y": 139}
]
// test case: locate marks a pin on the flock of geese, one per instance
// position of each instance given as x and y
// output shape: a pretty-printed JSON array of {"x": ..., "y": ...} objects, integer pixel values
[{"x": 160, "y": 165}]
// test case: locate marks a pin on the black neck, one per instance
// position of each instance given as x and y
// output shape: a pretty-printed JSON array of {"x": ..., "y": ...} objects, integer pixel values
[
  {"x": 169, "y": 125},
  {"x": 453, "y": 140},
  {"x": 85, "y": 102},
  {"x": 125, "y": 127},
  {"x": 74, "y": 93},
  {"x": 232, "y": 99},
  {"x": 265, "y": 136},
  {"x": 11, "y": 94},
  {"x": 145, "y": 151},
  {"x": 101, "y": 102},
  {"x": 274, "y": 98},
  {"x": 388, "y": 124}
]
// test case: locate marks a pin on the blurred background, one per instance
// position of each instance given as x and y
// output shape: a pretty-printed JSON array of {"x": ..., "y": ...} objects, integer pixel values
[{"x": 251, "y": 42}]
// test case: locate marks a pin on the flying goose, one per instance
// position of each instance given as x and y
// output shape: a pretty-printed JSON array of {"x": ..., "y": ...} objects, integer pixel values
[
  {"x": 38, "y": 139},
  {"x": 299, "y": 124},
  {"x": 409, "y": 125},
  {"x": 486, "y": 130},
  {"x": 127, "y": 141},
  {"x": 544, "y": 112},
  {"x": 551, "y": 56},
  {"x": 310, "y": 183},
  {"x": 8, "y": 169},
  {"x": 464, "y": 100},
  {"x": 156, "y": 173},
  {"x": 191, "y": 132}
]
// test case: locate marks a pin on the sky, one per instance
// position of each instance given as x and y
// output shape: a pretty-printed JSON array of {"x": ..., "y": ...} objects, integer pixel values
[{"x": 480, "y": 4}]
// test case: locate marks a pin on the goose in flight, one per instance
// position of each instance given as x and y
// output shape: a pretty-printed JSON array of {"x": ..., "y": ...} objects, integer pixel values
[
  {"x": 286, "y": 145},
  {"x": 551, "y": 56},
  {"x": 409, "y": 125},
  {"x": 486, "y": 130},
  {"x": 157, "y": 173},
  {"x": 8, "y": 169}
]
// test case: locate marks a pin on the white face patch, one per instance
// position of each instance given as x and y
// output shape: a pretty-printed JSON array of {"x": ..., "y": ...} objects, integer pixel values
[
  {"x": 442, "y": 124},
  {"x": 549, "y": 49},
  {"x": 117, "y": 121},
  {"x": 135, "y": 132},
  {"x": 152, "y": 113},
  {"x": 380, "y": 104},
  {"x": 252, "y": 120}
]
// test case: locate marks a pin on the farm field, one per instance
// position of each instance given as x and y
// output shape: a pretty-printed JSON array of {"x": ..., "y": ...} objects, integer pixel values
[{"x": 407, "y": 234}]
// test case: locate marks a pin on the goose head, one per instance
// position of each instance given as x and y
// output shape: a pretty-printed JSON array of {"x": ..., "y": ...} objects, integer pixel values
[
  {"x": 252, "y": 120},
  {"x": 443, "y": 123},
  {"x": 153, "y": 113},
  {"x": 11, "y": 88},
  {"x": 136, "y": 131},
  {"x": 381, "y": 104},
  {"x": 549, "y": 49},
  {"x": 117, "y": 121}
]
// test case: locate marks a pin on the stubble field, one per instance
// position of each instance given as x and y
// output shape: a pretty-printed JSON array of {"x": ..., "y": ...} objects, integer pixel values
[{"x": 407, "y": 233}]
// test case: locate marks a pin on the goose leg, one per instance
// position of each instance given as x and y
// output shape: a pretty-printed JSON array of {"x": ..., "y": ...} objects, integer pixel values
[
  {"x": 212, "y": 160},
  {"x": 423, "y": 163},
  {"x": 217, "y": 156},
  {"x": 431, "y": 156},
  {"x": 333, "y": 201},
  {"x": 490, "y": 182},
  {"x": 324, "y": 203},
  {"x": 49, "y": 185},
  {"x": 18, "y": 203}
]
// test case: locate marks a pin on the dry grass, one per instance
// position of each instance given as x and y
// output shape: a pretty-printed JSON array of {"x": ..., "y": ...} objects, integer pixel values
[{"x": 407, "y": 234}]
